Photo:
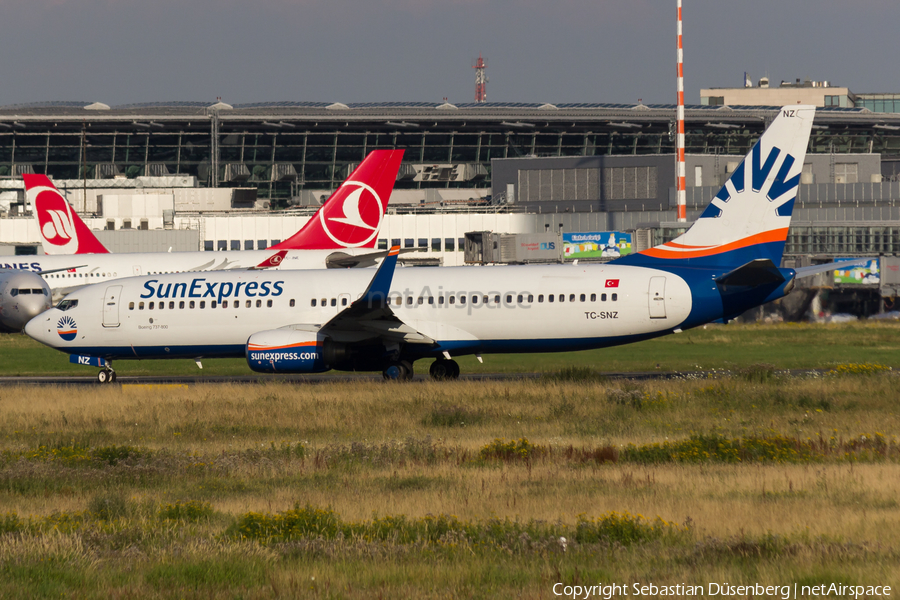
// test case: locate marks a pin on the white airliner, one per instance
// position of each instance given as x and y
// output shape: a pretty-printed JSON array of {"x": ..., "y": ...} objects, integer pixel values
[
  {"x": 312, "y": 321},
  {"x": 342, "y": 233}
]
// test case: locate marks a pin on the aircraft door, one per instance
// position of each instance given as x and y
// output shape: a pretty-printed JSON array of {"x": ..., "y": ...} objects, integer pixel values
[
  {"x": 111, "y": 306},
  {"x": 657, "y": 297}
]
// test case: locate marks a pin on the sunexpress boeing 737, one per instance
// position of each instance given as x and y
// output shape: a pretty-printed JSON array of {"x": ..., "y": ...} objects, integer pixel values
[{"x": 312, "y": 321}]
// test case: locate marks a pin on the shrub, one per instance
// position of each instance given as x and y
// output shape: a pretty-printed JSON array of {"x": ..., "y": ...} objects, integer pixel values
[
  {"x": 623, "y": 528},
  {"x": 189, "y": 510},
  {"x": 110, "y": 506},
  {"x": 511, "y": 450}
]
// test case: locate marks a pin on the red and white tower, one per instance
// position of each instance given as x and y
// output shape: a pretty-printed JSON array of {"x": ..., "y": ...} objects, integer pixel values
[
  {"x": 681, "y": 195},
  {"x": 480, "y": 80}
]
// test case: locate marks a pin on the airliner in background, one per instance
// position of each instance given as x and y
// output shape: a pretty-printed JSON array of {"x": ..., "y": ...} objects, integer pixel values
[
  {"x": 313, "y": 321},
  {"x": 342, "y": 233}
]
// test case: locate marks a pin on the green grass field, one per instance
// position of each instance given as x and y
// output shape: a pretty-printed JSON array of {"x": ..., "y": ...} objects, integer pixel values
[
  {"x": 788, "y": 346},
  {"x": 467, "y": 489}
]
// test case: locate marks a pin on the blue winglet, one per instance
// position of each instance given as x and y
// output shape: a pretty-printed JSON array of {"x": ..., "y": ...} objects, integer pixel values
[{"x": 377, "y": 292}]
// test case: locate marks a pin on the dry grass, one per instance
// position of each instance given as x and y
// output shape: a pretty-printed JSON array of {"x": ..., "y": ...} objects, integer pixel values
[{"x": 415, "y": 450}]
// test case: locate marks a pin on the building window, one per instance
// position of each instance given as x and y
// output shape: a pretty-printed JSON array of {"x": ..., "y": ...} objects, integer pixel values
[
  {"x": 448, "y": 244},
  {"x": 235, "y": 244},
  {"x": 846, "y": 173},
  {"x": 248, "y": 244}
]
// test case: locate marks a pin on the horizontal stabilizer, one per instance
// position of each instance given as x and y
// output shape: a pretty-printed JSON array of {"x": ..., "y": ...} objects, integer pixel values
[
  {"x": 342, "y": 260},
  {"x": 832, "y": 266},
  {"x": 761, "y": 271}
]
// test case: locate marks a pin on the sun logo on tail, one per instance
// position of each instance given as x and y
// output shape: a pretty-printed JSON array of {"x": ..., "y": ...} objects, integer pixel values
[{"x": 66, "y": 328}]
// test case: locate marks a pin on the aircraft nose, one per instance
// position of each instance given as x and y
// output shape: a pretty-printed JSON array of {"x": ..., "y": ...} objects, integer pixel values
[
  {"x": 39, "y": 328},
  {"x": 25, "y": 309}
]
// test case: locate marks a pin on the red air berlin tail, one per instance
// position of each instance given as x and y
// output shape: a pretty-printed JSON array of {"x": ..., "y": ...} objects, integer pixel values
[
  {"x": 62, "y": 231},
  {"x": 352, "y": 216}
]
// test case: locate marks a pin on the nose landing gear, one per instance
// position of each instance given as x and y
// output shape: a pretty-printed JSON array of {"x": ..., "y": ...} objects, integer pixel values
[{"x": 107, "y": 375}]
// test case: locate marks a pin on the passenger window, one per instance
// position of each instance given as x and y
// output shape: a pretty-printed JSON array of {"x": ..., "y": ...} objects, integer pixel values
[
  {"x": 292, "y": 303},
  {"x": 452, "y": 299},
  {"x": 131, "y": 306},
  {"x": 171, "y": 305},
  {"x": 398, "y": 301},
  {"x": 462, "y": 299},
  {"x": 440, "y": 299},
  {"x": 258, "y": 303},
  {"x": 181, "y": 304},
  {"x": 521, "y": 299},
  {"x": 343, "y": 302},
  {"x": 497, "y": 299},
  {"x": 474, "y": 299},
  {"x": 593, "y": 297},
  {"x": 150, "y": 306},
  {"x": 324, "y": 302},
  {"x": 572, "y": 298},
  {"x": 615, "y": 297},
  {"x": 562, "y": 297},
  {"x": 550, "y": 298},
  {"x": 140, "y": 306},
  {"x": 540, "y": 297},
  {"x": 212, "y": 304},
  {"x": 421, "y": 300},
  {"x": 312, "y": 302},
  {"x": 191, "y": 304},
  {"x": 268, "y": 303},
  {"x": 530, "y": 298},
  {"x": 203, "y": 304},
  {"x": 431, "y": 300},
  {"x": 225, "y": 303},
  {"x": 602, "y": 297},
  {"x": 162, "y": 305},
  {"x": 250, "y": 304},
  {"x": 333, "y": 302},
  {"x": 509, "y": 298}
]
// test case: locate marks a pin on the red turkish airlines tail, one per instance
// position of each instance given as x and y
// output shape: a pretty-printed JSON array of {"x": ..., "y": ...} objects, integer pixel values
[
  {"x": 62, "y": 231},
  {"x": 352, "y": 216}
]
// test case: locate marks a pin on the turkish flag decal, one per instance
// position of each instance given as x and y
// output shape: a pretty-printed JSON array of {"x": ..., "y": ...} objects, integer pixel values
[{"x": 612, "y": 283}]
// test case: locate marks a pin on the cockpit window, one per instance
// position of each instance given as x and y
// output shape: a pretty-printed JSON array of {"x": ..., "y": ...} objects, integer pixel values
[{"x": 67, "y": 304}]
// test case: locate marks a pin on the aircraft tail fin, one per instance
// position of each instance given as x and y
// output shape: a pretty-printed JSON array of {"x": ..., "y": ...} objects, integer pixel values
[
  {"x": 352, "y": 216},
  {"x": 61, "y": 229},
  {"x": 749, "y": 218}
]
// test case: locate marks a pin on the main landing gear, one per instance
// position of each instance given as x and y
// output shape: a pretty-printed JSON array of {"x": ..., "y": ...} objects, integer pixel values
[
  {"x": 107, "y": 375},
  {"x": 442, "y": 369},
  {"x": 398, "y": 371}
]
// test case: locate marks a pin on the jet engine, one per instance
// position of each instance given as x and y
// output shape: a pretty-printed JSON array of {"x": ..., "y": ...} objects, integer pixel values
[{"x": 292, "y": 351}]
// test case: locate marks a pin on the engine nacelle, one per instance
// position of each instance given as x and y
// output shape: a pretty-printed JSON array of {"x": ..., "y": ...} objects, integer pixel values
[{"x": 290, "y": 351}]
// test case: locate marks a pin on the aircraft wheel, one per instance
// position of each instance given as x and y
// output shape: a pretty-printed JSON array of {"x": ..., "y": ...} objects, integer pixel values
[
  {"x": 408, "y": 371},
  {"x": 444, "y": 369},
  {"x": 103, "y": 376},
  {"x": 394, "y": 372},
  {"x": 454, "y": 369},
  {"x": 112, "y": 376}
]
